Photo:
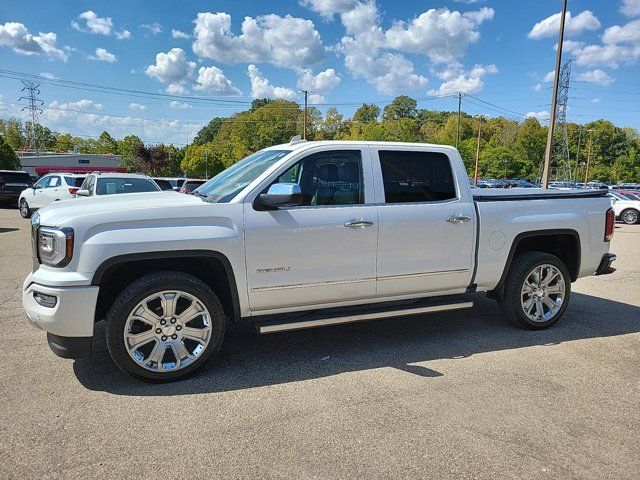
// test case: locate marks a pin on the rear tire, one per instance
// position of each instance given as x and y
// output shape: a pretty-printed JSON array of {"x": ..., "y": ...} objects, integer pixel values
[
  {"x": 164, "y": 326},
  {"x": 630, "y": 216},
  {"x": 536, "y": 291},
  {"x": 25, "y": 211}
]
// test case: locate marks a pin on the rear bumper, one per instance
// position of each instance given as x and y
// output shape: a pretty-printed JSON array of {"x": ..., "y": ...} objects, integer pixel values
[{"x": 605, "y": 264}]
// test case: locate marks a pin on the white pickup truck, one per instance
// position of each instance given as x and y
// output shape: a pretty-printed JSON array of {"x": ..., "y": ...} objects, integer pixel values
[{"x": 301, "y": 235}]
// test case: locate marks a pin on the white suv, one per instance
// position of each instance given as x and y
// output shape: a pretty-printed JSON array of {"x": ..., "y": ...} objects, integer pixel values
[
  {"x": 50, "y": 188},
  {"x": 113, "y": 183}
]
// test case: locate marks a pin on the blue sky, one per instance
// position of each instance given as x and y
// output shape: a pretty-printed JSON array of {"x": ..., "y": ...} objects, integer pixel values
[{"x": 203, "y": 59}]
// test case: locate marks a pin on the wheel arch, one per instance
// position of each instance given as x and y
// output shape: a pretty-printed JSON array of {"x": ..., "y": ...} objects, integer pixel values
[
  {"x": 213, "y": 268},
  {"x": 626, "y": 210},
  {"x": 563, "y": 243}
]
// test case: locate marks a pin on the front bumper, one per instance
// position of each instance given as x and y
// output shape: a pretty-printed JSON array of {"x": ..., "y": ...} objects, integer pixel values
[
  {"x": 72, "y": 315},
  {"x": 605, "y": 264}
]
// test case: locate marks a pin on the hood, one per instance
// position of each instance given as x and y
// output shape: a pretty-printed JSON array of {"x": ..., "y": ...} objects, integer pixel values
[{"x": 126, "y": 205}]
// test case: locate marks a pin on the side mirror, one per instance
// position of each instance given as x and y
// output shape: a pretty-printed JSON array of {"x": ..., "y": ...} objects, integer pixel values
[
  {"x": 83, "y": 193},
  {"x": 282, "y": 195}
]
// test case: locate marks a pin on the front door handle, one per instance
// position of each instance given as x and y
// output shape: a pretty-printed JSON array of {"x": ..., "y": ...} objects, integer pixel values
[
  {"x": 358, "y": 223},
  {"x": 458, "y": 219}
]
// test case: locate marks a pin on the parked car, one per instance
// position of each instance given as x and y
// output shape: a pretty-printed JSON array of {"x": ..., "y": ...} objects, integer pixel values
[
  {"x": 163, "y": 183},
  {"x": 190, "y": 184},
  {"x": 12, "y": 183},
  {"x": 50, "y": 188},
  {"x": 302, "y": 235},
  {"x": 629, "y": 194},
  {"x": 627, "y": 210},
  {"x": 176, "y": 182},
  {"x": 116, "y": 183}
]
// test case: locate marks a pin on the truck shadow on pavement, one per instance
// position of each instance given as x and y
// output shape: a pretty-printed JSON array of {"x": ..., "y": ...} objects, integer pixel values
[{"x": 248, "y": 360}]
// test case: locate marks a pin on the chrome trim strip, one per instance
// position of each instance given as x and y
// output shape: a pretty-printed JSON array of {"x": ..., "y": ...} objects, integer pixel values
[
  {"x": 314, "y": 284},
  {"x": 356, "y": 280},
  {"x": 323, "y": 322},
  {"x": 425, "y": 274}
]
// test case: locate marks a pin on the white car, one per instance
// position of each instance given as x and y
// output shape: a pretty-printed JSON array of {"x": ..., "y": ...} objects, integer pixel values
[
  {"x": 116, "y": 183},
  {"x": 50, "y": 188},
  {"x": 627, "y": 210},
  {"x": 301, "y": 235}
]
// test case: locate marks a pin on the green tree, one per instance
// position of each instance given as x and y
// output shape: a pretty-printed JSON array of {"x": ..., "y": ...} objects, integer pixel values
[
  {"x": 367, "y": 113},
  {"x": 8, "y": 158},
  {"x": 152, "y": 160},
  {"x": 107, "y": 144},
  {"x": 256, "y": 103},
  {"x": 530, "y": 144},
  {"x": 209, "y": 131},
  {"x": 333, "y": 122},
  {"x": 13, "y": 133},
  {"x": 64, "y": 142},
  {"x": 127, "y": 148},
  {"x": 401, "y": 107}
]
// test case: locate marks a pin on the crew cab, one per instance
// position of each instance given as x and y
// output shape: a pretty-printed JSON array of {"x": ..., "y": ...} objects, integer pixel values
[{"x": 301, "y": 235}]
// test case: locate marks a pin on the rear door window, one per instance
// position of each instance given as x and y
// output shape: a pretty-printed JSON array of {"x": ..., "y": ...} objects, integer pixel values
[
  {"x": 413, "y": 176},
  {"x": 53, "y": 182}
]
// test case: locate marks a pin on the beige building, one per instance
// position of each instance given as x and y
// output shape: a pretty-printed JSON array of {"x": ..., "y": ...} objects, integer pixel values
[{"x": 44, "y": 162}]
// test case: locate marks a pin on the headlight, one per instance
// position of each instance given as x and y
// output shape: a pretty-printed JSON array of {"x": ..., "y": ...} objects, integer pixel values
[{"x": 55, "y": 246}]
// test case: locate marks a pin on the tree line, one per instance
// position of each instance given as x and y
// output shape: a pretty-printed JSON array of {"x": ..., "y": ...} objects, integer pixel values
[{"x": 510, "y": 148}]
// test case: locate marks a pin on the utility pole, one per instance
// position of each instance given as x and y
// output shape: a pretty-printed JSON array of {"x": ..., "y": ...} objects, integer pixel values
[
  {"x": 458, "y": 127},
  {"x": 552, "y": 119},
  {"x": 304, "y": 123},
  {"x": 33, "y": 106},
  {"x": 586, "y": 170},
  {"x": 206, "y": 163},
  {"x": 475, "y": 170}
]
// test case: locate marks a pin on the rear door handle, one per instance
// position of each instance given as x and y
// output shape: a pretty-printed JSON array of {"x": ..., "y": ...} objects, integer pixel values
[
  {"x": 358, "y": 223},
  {"x": 458, "y": 219}
]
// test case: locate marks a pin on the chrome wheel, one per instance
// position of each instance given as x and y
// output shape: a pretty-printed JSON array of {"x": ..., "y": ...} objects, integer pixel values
[
  {"x": 167, "y": 331},
  {"x": 543, "y": 292},
  {"x": 630, "y": 217},
  {"x": 24, "y": 208}
]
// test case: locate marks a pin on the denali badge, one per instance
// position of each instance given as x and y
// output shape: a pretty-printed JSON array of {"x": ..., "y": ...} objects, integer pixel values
[{"x": 273, "y": 270}]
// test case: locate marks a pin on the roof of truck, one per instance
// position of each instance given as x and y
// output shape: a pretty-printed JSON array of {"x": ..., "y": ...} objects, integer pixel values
[{"x": 303, "y": 144}]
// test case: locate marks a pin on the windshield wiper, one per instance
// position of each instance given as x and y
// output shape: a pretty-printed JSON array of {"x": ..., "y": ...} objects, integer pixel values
[{"x": 200, "y": 194}]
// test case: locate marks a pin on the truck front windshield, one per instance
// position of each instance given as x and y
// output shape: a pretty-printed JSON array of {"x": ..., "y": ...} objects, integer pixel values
[{"x": 227, "y": 184}]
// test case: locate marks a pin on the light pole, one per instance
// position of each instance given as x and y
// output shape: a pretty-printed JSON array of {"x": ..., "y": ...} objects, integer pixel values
[
  {"x": 586, "y": 170},
  {"x": 554, "y": 101},
  {"x": 475, "y": 170}
]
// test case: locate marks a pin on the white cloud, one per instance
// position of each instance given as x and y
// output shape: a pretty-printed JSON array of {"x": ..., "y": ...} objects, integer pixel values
[
  {"x": 629, "y": 33},
  {"x": 123, "y": 34},
  {"x": 93, "y": 23},
  {"x": 16, "y": 36},
  {"x": 537, "y": 87},
  {"x": 608, "y": 55},
  {"x": 103, "y": 55},
  {"x": 441, "y": 34},
  {"x": 88, "y": 117},
  {"x": 137, "y": 106},
  {"x": 323, "y": 82},
  {"x": 213, "y": 80},
  {"x": 328, "y": 8},
  {"x": 154, "y": 28},
  {"x": 630, "y": 8},
  {"x": 595, "y": 76},
  {"x": 283, "y": 41},
  {"x": 550, "y": 26},
  {"x": 595, "y": 100},
  {"x": 179, "y": 105},
  {"x": 540, "y": 116},
  {"x": 179, "y": 35},
  {"x": 173, "y": 69},
  {"x": 549, "y": 77},
  {"x": 48, "y": 75},
  {"x": 262, "y": 88},
  {"x": 465, "y": 82}
]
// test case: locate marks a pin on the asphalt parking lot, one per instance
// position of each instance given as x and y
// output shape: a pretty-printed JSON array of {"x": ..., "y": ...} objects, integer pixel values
[{"x": 456, "y": 395}]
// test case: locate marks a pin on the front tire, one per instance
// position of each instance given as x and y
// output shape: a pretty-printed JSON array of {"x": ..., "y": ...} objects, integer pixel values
[
  {"x": 537, "y": 290},
  {"x": 630, "y": 216},
  {"x": 25, "y": 211},
  {"x": 164, "y": 326}
]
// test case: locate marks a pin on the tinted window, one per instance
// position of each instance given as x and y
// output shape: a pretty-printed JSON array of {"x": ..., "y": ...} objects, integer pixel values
[
  {"x": 110, "y": 186},
  {"x": 74, "y": 181},
  {"x": 42, "y": 182},
  {"x": 163, "y": 184},
  {"x": 328, "y": 178},
  {"x": 16, "y": 177},
  {"x": 416, "y": 176},
  {"x": 193, "y": 184}
]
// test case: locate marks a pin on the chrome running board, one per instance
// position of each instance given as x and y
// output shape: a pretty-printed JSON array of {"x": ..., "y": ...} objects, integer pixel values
[{"x": 320, "y": 320}]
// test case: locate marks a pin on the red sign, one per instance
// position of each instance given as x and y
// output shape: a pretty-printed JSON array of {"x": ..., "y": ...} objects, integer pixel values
[{"x": 74, "y": 169}]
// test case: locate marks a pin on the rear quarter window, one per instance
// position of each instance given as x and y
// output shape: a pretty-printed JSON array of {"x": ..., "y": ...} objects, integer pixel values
[
  {"x": 16, "y": 177},
  {"x": 413, "y": 176}
]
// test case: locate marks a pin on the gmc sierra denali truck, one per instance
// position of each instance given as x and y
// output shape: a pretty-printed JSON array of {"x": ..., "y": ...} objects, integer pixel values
[{"x": 301, "y": 235}]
